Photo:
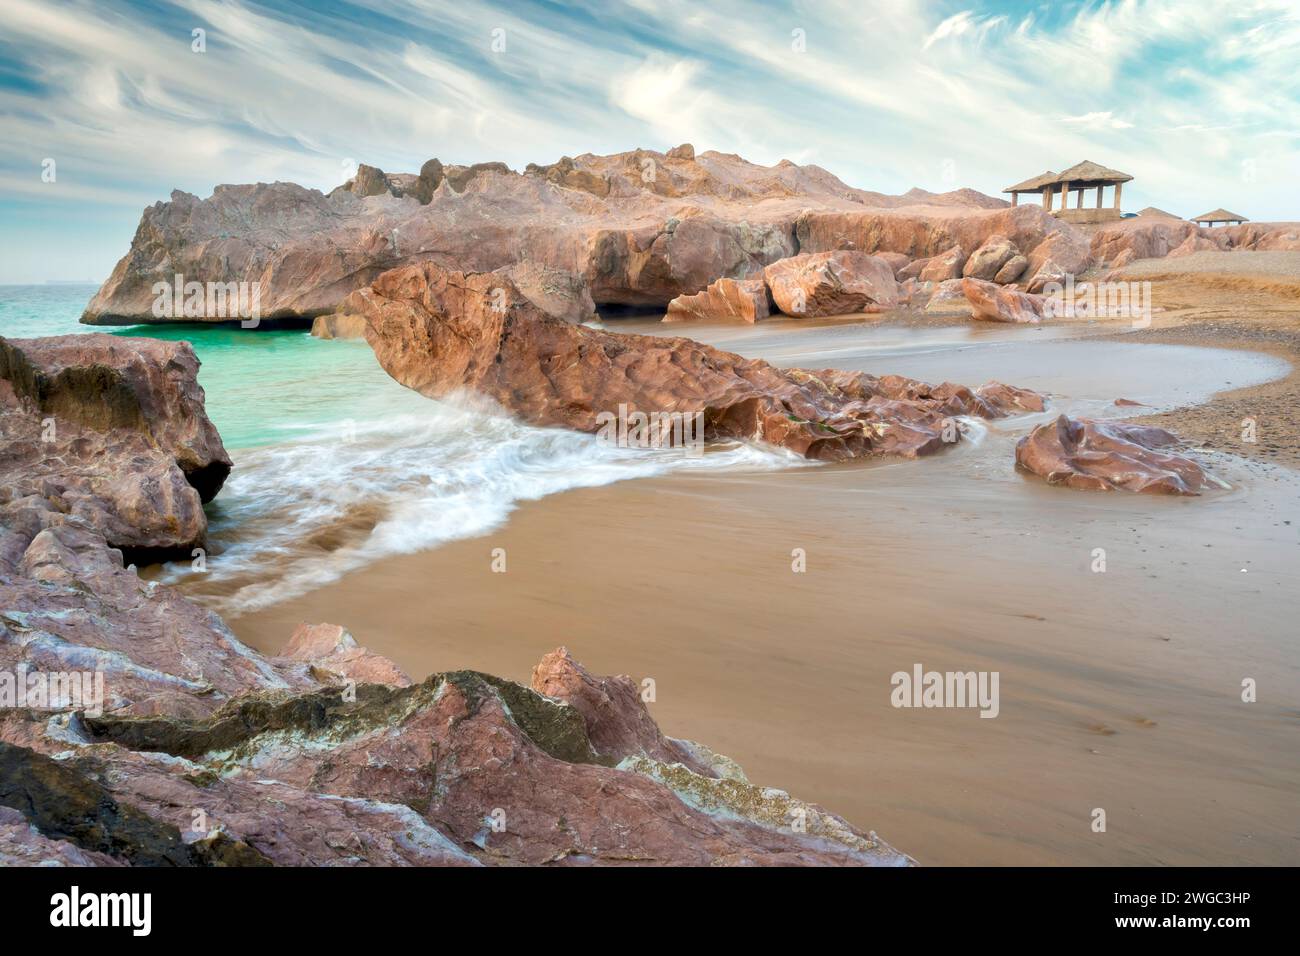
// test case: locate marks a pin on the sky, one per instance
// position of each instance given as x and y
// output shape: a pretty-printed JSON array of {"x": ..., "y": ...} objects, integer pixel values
[{"x": 108, "y": 106}]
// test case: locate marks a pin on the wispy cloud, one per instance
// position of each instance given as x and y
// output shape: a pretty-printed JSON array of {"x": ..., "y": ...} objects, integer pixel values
[{"x": 1184, "y": 94}]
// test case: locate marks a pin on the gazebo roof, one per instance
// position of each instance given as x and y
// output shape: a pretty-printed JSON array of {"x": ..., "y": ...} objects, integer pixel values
[
  {"x": 1033, "y": 184},
  {"x": 1220, "y": 215},
  {"x": 1088, "y": 173},
  {"x": 1153, "y": 212}
]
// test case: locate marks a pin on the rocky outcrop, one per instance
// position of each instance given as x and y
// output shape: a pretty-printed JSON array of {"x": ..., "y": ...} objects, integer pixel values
[
  {"x": 990, "y": 302},
  {"x": 948, "y": 298},
  {"x": 640, "y": 227},
  {"x": 831, "y": 283},
  {"x": 1194, "y": 243},
  {"x": 1109, "y": 456},
  {"x": 111, "y": 431},
  {"x": 726, "y": 300},
  {"x": 438, "y": 331},
  {"x": 196, "y": 750}
]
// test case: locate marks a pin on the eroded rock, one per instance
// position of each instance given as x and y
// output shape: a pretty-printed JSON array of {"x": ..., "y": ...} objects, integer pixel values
[
  {"x": 831, "y": 283},
  {"x": 1109, "y": 456},
  {"x": 726, "y": 300}
]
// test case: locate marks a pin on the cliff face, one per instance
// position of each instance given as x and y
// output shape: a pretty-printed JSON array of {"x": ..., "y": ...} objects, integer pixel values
[
  {"x": 639, "y": 228},
  {"x": 197, "y": 750}
]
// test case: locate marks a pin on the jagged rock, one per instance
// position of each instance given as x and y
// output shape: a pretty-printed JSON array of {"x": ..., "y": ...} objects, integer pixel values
[
  {"x": 684, "y": 151},
  {"x": 742, "y": 300},
  {"x": 985, "y": 262},
  {"x": 994, "y": 303},
  {"x": 370, "y": 181},
  {"x": 438, "y": 331},
  {"x": 618, "y": 724},
  {"x": 641, "y": 227},
  {"x": 331, "y": 649},
  {"x": 831, "y": 283},
  {"x": 944, "y": 266},
  {"x": 1011, "y": 270},
  {"x": 111, "y": 430},
  {"x": 1126, "y": 257},
  {"x": 1108, "y": 456}
]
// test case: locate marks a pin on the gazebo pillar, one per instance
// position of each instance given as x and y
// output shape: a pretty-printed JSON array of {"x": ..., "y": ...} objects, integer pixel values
[
  {"x": 1100, "y": 191},
  {"x": 1119, "y": 187},
  {"x": 1065, "y": 196},
  {"x": 1015, "y": 199}
]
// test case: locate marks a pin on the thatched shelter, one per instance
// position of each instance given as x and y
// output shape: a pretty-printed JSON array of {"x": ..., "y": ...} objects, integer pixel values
[
  {"x": 1151, "y": 212},
  {"x": 1219, "y": 215},
  {"x": 1081, "y": 176}
]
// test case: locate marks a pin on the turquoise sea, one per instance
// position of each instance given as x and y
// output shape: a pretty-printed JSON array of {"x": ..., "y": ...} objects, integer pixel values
[{"x": 336, "y": 465}]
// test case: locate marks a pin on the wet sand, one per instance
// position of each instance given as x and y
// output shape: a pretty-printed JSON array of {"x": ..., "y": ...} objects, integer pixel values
[{"x": 1118, "y": 690}]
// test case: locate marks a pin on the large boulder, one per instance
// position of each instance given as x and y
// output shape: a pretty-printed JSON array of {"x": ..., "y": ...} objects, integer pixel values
[
  {"x": 986, "y": 261},
  {"x": 994, "y": 303},
  {"x": 944, "y": 266},
  {"x": 437, "y": 332},
  {"x": 738, "y": 300},
  {"x": 1011, "y": 270},
  {"x": 831, "y": 283},
  {"x": 1061, "y": 253},
  {"x": 1109, "y": 456}
]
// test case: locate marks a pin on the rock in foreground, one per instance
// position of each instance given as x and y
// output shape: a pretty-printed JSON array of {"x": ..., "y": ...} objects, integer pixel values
[
  {"x": 111, "y": 431},
  {"x": 1109, "y": 456},
  {"x": 198, "y": 751},
  {"x": 438, "y": 331}
]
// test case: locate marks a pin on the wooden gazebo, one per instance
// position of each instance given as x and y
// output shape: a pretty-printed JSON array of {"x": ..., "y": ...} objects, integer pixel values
[
  {"x": 1084, "y": 175},
  {"x": 1219, "y": 215}
]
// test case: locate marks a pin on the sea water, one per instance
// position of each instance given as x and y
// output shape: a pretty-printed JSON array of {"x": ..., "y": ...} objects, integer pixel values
[{"x": 337, "y": 465}]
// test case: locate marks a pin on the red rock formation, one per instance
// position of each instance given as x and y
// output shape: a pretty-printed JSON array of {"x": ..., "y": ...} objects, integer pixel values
[
  {"x": 1106, "y": 456},
  {"x": 1011, "y": 270},
  {"x": 1196, "y": 242},
  {"x": 738, "y": 300},
  {"x": 437, "y": 331},
  {"x": 831, "y": 283},
  {"x": 640, "y": 227},
  {"x": 994, "y": 303},
  {"x": 111, "y": 430}
]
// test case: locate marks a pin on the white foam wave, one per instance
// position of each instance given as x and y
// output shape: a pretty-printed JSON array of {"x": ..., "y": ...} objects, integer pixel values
[{"x": 296, "y": 515}]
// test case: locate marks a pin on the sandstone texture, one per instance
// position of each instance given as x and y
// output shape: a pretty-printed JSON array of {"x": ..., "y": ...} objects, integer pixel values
[
  {"x": 438, "y": 331},
  {"x": 725, "y": 300},
  {"x": 1109, "y": 456},
  {"x": 110, "y": 431}
]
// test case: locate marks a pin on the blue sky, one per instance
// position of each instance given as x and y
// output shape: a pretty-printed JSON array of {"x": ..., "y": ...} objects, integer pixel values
[{"x": 1198, "y": 99}]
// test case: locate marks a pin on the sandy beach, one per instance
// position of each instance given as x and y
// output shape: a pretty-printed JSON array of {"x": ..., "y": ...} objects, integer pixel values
[{"x": 1120, "y": 690}]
